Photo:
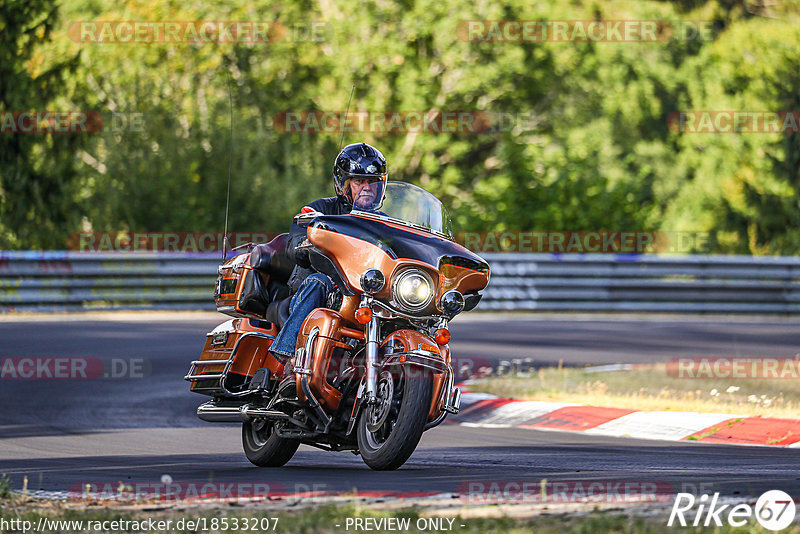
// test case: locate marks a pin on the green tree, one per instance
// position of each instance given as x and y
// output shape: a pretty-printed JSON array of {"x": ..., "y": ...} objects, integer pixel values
[{"x": 37, "y": 171}]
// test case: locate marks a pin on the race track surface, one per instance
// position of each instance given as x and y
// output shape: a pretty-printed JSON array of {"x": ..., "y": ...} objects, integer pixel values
[{"x": 64, "y": 433}]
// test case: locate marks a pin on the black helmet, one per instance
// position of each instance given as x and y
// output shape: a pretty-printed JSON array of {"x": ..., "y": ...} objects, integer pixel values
[{"x": 359, "y": 160}]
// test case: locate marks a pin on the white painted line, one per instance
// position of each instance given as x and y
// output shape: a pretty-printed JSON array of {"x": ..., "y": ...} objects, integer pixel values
[
  {"x": 659, "y": 425},
  {"x": 516, "y": 413},
  {"x": 472, "y": 398}
]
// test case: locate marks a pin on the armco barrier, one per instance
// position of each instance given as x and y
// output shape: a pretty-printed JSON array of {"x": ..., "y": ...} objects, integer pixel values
[
  {"x": 44, "y": 281},
  {"x": 626, "y": 282}
]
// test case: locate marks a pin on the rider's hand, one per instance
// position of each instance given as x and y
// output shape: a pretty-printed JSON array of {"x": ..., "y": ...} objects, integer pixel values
[{"x": 301, "y": 254}]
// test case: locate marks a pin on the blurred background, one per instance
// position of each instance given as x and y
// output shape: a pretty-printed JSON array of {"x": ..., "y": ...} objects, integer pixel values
[{"x": 585, "y": 145}]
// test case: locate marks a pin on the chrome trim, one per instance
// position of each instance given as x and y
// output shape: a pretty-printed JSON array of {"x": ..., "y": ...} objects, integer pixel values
[
  {"x": 424, "y": 358},
  {"x": 450, "y": 400},
  {"x": 372, "y": 339},
  {"x": 219, "y": 338},
  {"x": 194, "y": 378},
  {"x": 230, "y": 362},
  {"x": 250, "y": 244},
  {"x": 436, "y": 422},
  {"x": 315, "y": 405},
  {"x": 451, "y": 396},
  {"x": 302, "y": 356},
  {"x": 250, "y": 412},
  {"x": 405, "y": 315},
  {"x": 213, "y": 413},
  {"x": 397, "y": 278},
  {"x": 415, "y": 352},
  {"x": 455, "y": 403},
  {"x": 300, "y": 360},
  {"x": 209, "y": 362},
  {"x": 227, "y": 326},
  {"x": 454, "y": 292},
  {"x": 191, "y": 377},
  {"x": 369, "y": 271}
]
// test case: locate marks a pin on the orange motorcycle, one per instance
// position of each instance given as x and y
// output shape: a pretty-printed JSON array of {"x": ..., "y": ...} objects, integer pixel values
[{"x": 372, "y": 369}]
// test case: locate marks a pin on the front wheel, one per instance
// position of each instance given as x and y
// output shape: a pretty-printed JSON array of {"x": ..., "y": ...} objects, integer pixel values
[
  {"x": 389, "y": 431},
  {"x": 263, "y": 447}
]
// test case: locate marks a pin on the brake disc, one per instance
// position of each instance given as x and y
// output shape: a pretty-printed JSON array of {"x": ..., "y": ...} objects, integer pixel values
[{"x": 378, "y": 413}]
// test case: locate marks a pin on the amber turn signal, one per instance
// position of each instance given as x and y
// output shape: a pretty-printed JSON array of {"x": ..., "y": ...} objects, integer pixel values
[
  {"x": 363, "y": 315},
  {"x": 442, "y": 336}
]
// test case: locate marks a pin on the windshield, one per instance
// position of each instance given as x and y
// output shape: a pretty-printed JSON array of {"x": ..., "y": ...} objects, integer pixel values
[{"x": 413, "y": 206}]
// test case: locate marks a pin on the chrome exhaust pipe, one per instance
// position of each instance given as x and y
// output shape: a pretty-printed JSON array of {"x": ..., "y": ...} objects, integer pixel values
[
  {"x": 214, "y": 413},
  {"x": 455, "y": 402}
]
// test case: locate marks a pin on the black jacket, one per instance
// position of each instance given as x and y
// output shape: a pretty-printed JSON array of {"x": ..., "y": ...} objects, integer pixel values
[{"x": 297, "y": 234}]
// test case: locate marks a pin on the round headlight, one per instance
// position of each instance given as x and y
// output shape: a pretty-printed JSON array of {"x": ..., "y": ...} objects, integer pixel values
[
  {"x": 413, "y": 289},
  {"x": 452, "y": 303},
  {"x": 372, "y": 281}
]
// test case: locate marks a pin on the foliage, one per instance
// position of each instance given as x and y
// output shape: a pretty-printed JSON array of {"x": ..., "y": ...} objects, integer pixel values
[
  {"x": 588, "y": 147},
  {"x": 37, "y": 172}
]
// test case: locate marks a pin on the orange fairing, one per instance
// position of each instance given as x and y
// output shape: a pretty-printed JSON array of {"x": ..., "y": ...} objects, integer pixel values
[
  {"x": 462, "y": 279},
  {"x": 329, "y": 323},
  {"x": 353, "y": 256}
]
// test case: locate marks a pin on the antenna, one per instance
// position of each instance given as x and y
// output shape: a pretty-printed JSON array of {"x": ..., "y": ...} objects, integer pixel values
[
  {"x": 345, "y": 118},
  {"x": 230, "y": 164}
]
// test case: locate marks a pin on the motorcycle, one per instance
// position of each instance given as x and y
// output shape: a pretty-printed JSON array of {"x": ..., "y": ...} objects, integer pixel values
[{"x": 372, "y": 370}]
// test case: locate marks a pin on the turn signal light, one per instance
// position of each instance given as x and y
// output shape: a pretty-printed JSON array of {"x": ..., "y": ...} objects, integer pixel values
[
  {"x": 363, "y": 315},
  {"x": 442, "y": 336}
]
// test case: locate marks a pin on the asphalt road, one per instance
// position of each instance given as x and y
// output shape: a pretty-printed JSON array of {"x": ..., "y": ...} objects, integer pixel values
[{"x": 64, "y": 433}]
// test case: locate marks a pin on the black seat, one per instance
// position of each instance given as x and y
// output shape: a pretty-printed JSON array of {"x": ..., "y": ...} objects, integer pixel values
[
  {"x": 278, "y": 312},
  {"x": 271, "y": 259}
]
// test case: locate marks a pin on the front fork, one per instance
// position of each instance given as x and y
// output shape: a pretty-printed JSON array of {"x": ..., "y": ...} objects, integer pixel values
[{"x": 372, "y": 338}]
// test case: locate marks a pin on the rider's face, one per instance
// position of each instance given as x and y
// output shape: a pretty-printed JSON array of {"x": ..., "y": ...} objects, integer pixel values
[{"x": 364, "y": 192}]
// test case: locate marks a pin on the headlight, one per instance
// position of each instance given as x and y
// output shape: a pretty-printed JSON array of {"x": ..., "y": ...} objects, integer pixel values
[
  {"x": 413, "y": 289},
  {"x": 452, "y": 303}
]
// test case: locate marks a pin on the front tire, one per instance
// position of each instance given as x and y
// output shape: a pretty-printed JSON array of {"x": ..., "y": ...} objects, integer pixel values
[
  {"x": 397, "y": 432},
  {"x": 263, "y": 447}
]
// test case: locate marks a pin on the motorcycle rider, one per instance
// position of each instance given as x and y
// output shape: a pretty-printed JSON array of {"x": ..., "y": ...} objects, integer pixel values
[{"x": 359, "y": 180}]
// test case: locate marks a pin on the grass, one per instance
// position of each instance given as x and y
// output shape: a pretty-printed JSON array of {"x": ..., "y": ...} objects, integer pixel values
[
  {"x": 324, "y": 519},
  {"x": 5, "y": 487},
  {"x": 650, "y": 388}
]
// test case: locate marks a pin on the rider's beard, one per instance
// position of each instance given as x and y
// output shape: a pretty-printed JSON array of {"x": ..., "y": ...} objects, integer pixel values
[{"x": 365, "y": 199}]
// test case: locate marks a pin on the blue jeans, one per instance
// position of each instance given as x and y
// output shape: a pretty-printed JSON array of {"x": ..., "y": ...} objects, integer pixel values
[{"x": 312, "y": 294}]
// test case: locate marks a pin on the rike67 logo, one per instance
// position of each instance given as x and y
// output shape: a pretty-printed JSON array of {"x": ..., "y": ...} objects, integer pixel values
[{"x": 774, "y": 510}]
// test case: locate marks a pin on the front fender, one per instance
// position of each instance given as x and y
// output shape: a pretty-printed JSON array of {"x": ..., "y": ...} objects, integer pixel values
[
  {"x": 413, "y": 348},
  {"x": 416, "y": 350}
]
